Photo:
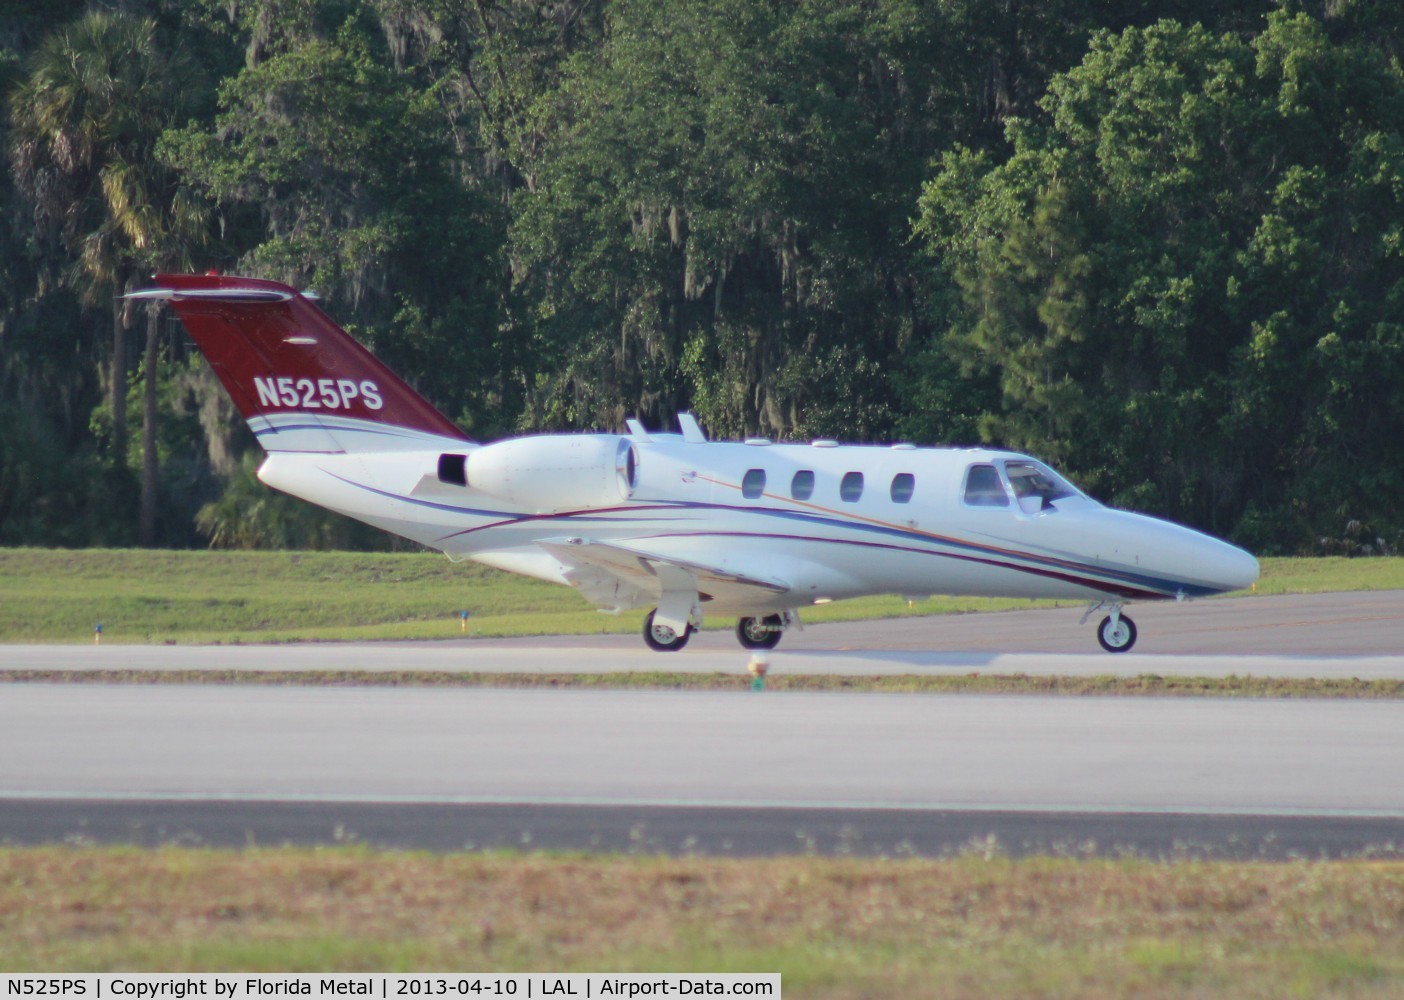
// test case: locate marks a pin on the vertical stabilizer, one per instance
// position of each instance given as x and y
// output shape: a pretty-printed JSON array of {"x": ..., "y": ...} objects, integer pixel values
[{"x": 302, "y": 382}]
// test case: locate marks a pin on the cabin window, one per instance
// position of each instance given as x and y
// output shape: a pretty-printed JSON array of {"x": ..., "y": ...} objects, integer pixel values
[
  {"x": 983, "y": 487},
  {"x": 753, "y": 484},
  {"x": 851, "y": 488},
  {"x": 903, "y": 485},
  {"x": 452, "y": 470},
  {"x": 802, "y": 486}
]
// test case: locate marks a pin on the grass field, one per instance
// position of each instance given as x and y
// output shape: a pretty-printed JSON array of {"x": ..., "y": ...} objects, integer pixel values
[
  {"x": 979, "y": 925},
  {"x": 163, "y": 596}
]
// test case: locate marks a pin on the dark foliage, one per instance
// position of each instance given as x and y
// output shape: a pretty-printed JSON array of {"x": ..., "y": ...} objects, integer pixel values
[{"x": 1156, "y": 242}]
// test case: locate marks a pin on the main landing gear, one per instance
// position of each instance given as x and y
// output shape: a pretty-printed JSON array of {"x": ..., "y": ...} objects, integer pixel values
[
  {"x": 664, "y": 638},
  {"x": 1117, "y": 632},
  {"x": 752, "y": 633},
  {"x": 760, "y": 633}
]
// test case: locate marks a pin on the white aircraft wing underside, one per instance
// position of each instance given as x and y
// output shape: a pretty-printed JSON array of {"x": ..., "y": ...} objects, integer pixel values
[{"x": 619, "y": 576}]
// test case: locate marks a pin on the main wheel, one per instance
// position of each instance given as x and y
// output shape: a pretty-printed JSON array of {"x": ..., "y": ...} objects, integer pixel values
[
  {"x": 1117, "y": 638},
  {"x": 760, "y": 633},
  {"x": 663, "y": 638}
]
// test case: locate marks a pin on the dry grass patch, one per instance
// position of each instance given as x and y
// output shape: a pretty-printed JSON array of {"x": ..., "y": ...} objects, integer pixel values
[
  {"x": 972, "y": 926},
  {"x": 1233, "y": 686}
]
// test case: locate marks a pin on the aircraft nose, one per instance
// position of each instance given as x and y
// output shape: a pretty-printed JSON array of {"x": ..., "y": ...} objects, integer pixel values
[{"x": 1225, "y": 567}]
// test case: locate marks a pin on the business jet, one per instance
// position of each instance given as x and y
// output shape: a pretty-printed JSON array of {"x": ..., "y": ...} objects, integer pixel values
[{"x": 671, "y": 521}]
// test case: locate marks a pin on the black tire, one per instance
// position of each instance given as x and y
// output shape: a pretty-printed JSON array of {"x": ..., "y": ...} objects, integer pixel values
[
  {"x": 658, "y": 641},
  {"x": 760, "y": 633},
  {"x": 1118, "y": 639}
]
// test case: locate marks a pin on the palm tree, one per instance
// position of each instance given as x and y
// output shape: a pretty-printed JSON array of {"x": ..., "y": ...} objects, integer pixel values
[{"x": 94, "y": 99}]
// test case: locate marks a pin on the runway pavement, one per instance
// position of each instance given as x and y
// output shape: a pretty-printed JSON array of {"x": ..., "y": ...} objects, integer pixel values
[
  {"x": 743, "y": 772},
  {"x": 718, "y": 758},
  {"x": 1315, "y": 635}
]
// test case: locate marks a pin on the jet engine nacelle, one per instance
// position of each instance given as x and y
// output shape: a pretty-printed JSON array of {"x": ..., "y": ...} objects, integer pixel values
[{"x": 556, "y": 472}]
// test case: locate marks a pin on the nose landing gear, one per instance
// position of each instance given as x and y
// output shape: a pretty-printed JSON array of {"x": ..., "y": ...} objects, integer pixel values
[
  {"x": 1117, "y": 632},
  {"x": 1116, "y": 635}
]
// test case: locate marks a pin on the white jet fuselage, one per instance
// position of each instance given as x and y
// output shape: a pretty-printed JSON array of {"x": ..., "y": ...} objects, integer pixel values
[{"x": 767, "y": 527}]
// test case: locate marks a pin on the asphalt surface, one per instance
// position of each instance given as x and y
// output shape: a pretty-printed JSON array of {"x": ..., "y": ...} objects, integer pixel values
[
  {"x": 1314, "y": 635},
  {"x": 725, "y": 832},
  {"x": 737, "y": 773},
  {"x": 718, "y": 759}
]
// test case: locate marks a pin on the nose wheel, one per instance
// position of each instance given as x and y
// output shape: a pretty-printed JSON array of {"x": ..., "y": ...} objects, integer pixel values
[{"x": 1117, "y": 633}]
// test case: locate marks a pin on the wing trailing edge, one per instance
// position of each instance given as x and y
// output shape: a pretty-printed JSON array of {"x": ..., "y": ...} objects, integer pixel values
[{"x": 618, "y": 576}]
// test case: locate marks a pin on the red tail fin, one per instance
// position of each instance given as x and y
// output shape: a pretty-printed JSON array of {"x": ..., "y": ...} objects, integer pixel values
[{"x": 299, "y": 379}]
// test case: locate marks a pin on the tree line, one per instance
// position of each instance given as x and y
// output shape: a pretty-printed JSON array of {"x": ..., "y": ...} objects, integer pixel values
[{"x": 1159, "y": 243}]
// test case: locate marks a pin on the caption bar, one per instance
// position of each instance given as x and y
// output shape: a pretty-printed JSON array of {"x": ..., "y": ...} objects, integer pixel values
[{"x": 470, "y": 985}]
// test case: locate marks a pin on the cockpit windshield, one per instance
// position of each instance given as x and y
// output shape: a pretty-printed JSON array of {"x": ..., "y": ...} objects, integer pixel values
[{"x": 1036, "y": 485}]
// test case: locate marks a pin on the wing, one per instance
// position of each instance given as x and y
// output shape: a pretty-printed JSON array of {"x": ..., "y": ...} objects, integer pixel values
[{"x": 617, "y": 576}]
